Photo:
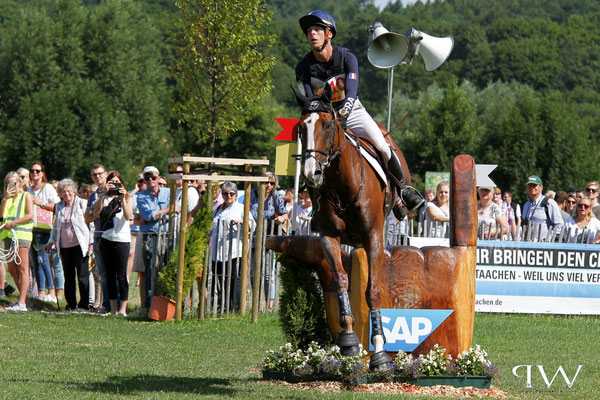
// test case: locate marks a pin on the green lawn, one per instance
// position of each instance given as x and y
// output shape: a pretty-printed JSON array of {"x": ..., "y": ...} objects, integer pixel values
[{"x": 57, "y": 356}]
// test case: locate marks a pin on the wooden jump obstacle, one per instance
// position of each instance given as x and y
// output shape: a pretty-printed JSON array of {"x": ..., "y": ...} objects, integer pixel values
[
  {"x": 428, "y": 278},
  {"x": 247, "y": 178}
]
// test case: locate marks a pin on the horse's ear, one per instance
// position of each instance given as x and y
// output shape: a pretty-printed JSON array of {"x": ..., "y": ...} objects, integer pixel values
[
  {"x": 300, "y": 98},
  {"x": 327, "y": 93}
]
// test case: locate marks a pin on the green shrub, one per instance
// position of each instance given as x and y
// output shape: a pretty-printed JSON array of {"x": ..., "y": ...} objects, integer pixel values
[{"x": 301, "y": 306}]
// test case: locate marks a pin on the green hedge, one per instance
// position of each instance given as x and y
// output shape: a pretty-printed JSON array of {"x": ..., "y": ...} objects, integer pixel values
[{"x": 301, "y": 306}]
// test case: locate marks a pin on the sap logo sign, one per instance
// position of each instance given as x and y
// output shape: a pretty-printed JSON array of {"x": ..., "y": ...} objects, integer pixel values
[
  {"x": 406, "y": 329},
  {"x": 544, "y": 376}
]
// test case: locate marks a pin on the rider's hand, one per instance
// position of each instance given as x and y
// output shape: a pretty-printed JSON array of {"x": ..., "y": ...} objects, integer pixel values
[{"x": 343, "y": 118}]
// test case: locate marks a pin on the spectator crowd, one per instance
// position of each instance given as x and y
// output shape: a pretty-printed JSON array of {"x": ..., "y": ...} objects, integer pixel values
[
  {"x": 82, "y": 243},
  {"x": 58, "y": 240},
  {"x": 573, "y": 215}
]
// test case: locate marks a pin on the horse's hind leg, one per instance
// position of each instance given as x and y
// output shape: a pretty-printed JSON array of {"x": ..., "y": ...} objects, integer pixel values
[{"x": 347, "y": 340}]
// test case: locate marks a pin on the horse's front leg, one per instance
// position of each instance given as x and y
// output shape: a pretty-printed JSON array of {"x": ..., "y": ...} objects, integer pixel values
[
  {"x": 380, "y": 360},
  {"x": 347, "y": 340}
]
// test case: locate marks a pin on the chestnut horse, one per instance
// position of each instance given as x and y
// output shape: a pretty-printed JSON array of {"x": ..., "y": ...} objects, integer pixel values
[{"x": 351, "y": 204}]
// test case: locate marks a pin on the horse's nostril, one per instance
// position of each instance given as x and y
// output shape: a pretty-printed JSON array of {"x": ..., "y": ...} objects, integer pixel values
[{"x": 317, "y": 172}]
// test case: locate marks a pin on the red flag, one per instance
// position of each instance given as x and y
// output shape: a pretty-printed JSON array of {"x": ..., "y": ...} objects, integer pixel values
[{"x": 290, "y": 129}]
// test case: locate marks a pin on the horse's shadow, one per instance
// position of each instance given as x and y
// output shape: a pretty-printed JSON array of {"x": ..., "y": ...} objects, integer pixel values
[{"x": 124, "y": 385}]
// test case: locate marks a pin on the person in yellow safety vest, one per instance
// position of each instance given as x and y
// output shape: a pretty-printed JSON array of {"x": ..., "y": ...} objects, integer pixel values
[{"x": 17, "y": 214}]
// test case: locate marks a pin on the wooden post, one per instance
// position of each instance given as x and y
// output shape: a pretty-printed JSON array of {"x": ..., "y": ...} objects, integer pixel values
[
  {"x": 246, "y": 229},
  {"x": 182, "y": 231},
  {"x": 171, "y": 238},
  {"x": 202, "y": 290},
  {"x": 258, "y": 248}
]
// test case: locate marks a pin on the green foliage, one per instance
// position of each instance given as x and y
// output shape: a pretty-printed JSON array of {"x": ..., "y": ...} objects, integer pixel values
[
  {"x": 522, "y": 130},
  {"x": 196, "y": 242},
  {"x": 223, "y": 68},
  {"x": 446, "y": 128},
  {"x": 86, "y": 81},
  {"x": 81, "y": 85},
  {"x": 301, "y": 306}
]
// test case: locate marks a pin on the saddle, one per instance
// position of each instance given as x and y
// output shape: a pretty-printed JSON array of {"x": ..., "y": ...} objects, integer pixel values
[{"x": 368, "y": 145}]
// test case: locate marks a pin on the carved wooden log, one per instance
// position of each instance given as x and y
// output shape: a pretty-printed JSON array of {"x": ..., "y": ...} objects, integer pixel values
[{"x": 428, "y": 278}]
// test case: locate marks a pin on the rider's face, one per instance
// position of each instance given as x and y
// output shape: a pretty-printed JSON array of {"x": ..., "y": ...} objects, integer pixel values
[{"x": 316, "y": 36}]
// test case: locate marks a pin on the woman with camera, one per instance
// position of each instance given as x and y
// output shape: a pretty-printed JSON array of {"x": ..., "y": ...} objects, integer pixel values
[
  {"x": 17, "y": 214},
  {"x": 114, "y": 207}
]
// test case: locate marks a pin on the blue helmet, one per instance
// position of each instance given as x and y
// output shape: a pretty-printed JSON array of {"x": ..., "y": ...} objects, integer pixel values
[{"x": 319, "y": 18}]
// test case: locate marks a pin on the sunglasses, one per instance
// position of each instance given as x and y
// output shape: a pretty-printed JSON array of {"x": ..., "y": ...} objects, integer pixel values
[
  {"x": 228, "y": 194},
  {"x": 590, "y": 190},
  {"x": 151, "y": 177},
  {"x": 141, "y": 181},
  {"x": 271, "y": 183},
  {"x": 571, "y": 201},
  {"x": 584, "y": 206},
  {"x": 35, "y": 171}
]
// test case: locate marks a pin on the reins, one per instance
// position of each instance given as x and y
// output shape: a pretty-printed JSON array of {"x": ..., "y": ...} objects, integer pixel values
[{"x": 331, "y": 155}]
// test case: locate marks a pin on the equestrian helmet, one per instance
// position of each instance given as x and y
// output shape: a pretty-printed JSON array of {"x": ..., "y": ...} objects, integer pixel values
[{"x": 318, "y": 18}]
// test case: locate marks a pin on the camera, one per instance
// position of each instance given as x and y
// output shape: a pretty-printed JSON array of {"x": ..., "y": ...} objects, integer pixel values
[
  {"x": 11, "y": 185},
  {"x": 114, "y": 191}
]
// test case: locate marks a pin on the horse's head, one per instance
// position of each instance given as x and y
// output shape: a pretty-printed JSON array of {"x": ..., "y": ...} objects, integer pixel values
[{"x": 317, "y": 128}]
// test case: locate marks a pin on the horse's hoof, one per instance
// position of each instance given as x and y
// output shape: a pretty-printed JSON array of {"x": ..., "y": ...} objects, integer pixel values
[
  {"x": 380, "y": 362},
  {"x": 350, "y": 351},
  {"x": 348, "y": 344}
]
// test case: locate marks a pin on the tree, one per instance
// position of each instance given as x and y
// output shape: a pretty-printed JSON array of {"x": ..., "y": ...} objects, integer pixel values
[
  {"x": 223, "y": 68},
  {"x": 446, "y": 128},
  {"x": 81, "y": 85}
]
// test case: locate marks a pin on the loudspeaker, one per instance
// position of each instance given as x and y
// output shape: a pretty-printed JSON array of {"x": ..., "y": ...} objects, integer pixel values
[
  {"x": 434, "y": 50},
  {"x": 386, "y": 49}
]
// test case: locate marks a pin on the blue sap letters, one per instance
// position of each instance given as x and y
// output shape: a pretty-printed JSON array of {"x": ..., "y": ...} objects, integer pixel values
[{"x": 406, "y": 329}]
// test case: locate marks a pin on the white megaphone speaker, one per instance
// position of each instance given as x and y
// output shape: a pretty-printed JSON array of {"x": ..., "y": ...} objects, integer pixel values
[
  {"x": 434, "y": 50},
  {"x": 386, "y": 49}
]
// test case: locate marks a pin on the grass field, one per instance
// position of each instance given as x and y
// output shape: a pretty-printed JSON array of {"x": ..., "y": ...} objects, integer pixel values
[{"x": 77, "y": 356}]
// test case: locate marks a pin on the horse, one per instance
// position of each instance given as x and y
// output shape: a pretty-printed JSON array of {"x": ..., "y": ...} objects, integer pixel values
[{"x": 351, "y": 204}]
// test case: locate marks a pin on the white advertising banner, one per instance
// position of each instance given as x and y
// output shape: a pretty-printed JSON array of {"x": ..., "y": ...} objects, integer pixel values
[{"x": 534, "y": 277}]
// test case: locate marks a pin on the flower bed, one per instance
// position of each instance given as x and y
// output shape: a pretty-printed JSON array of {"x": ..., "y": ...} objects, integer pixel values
[{"x": 471, "y": 368}]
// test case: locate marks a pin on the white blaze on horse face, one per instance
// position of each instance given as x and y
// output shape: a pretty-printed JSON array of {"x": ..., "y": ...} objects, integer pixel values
[{"x": 310, "y": 165}]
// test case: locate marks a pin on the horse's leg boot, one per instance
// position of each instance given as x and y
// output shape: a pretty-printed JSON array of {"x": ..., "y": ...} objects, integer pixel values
[
  {"x": 410, "y": 200},
  {"x": 380, "y": 361},
  {"x": 348, "y": 344}
]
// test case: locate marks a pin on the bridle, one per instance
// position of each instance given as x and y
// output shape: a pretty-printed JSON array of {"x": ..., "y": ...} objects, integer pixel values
[{"x": 331, "y": 153}]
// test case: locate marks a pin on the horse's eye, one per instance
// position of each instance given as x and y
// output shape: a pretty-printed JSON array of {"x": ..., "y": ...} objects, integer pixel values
[{"x": 327, "y": 124}]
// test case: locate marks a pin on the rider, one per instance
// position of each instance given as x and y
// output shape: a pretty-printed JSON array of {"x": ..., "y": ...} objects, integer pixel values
[{"x": 338, "y": 67}]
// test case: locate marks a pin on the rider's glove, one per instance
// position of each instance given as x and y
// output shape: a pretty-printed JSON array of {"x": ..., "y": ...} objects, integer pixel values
[{"x": 343, "y": 117}]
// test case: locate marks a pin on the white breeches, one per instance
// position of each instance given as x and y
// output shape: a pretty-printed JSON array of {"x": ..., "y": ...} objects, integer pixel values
[{"x": 361, "y": 124}]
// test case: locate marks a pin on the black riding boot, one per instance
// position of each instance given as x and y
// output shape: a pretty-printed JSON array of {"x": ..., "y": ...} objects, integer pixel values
[{"x": 410, "y": 200}]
